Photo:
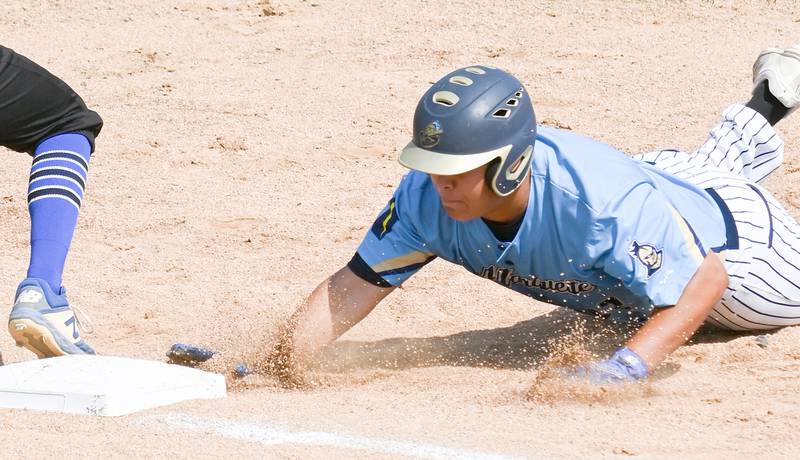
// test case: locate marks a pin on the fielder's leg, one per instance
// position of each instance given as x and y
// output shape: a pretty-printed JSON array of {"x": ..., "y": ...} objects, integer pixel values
[{"x": 40, "y": 114}]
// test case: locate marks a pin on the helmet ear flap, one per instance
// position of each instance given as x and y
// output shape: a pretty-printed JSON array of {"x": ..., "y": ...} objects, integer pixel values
[
  {"x": 506, "y": 181},
  {"x": 491, "y": 173}
]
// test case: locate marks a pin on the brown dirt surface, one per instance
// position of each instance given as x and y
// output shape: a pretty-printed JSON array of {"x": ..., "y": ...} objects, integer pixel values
[{"x": 247, "y": 147}]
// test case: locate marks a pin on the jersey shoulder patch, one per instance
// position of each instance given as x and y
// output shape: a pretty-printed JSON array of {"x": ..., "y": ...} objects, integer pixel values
[
  {"x": 648, "y": 255},
  {"x": 383, "y": 224}
]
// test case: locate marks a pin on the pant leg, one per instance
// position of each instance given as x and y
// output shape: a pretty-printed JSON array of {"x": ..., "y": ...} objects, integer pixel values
[
  {"x": 742, "y": 146},
  {"x": 743, "y": 143},
  {"x": 35, "y": 105},
  {"x": 764, "y": 272}
]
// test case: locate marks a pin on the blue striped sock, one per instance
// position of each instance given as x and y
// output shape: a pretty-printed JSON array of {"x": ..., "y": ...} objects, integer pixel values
[{"x": 57, "y": 182}]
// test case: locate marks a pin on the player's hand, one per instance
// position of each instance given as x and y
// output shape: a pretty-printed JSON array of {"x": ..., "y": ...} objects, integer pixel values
[{"x": 624, "y": 366}]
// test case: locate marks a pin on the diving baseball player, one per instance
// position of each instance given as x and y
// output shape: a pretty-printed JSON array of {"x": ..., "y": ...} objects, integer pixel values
[
  {"x": 41, "y": 115},
  {"x": 667, "y": 239}
]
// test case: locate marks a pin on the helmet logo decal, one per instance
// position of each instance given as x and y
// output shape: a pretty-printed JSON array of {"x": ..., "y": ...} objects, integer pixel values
[{"x": 429, "y": 137}]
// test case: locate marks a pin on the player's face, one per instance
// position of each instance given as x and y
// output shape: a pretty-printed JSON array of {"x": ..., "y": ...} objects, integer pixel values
[{"x": 466, "y": 196}]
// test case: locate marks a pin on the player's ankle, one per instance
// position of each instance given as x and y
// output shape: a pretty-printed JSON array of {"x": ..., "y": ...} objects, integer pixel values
[{"x": 765, "y": 103}]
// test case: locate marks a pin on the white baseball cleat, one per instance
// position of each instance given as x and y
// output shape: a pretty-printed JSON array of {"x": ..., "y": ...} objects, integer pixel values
[
  {"x": 781, "y": 67},
  {"x": 43, "y": 321}
]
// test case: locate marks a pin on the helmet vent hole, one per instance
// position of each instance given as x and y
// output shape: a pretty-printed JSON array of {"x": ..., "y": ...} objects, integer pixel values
[
  {"x": 512, "y": 102},
  {"x": 518, "y": 94},
  {"x": 475, "y": 70},
  {"x": 445, "y": 98},
  {"x": 461, "y": 80},
  {"x": 501, "y": 113}
]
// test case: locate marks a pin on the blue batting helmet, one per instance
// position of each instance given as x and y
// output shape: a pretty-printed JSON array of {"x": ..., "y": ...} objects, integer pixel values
[{"x": 474, "y": 116}]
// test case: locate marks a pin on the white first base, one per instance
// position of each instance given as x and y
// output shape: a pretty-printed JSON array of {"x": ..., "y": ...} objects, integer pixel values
[{"x": 102, "y": 385}]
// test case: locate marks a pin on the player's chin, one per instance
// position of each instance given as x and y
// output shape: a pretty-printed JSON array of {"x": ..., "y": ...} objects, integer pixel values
[{"x": 458, "y": 211}]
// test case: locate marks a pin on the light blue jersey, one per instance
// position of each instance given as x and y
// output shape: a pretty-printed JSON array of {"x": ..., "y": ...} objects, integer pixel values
[{"x": 601, "y": 232}]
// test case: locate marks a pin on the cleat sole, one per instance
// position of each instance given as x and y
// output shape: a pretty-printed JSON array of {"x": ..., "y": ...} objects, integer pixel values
[{"x": 34, "y": 337}]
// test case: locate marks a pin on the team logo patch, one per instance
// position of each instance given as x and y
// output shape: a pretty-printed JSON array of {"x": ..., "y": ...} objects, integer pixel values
[
  {"x": 648, "y": 255},
  {"x": 383, "y": 224},
  {"x": 429, "y": 137}
]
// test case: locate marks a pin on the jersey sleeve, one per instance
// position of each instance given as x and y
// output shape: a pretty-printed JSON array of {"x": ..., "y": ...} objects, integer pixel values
[
  {"x": 392, "y": 249},
  {"x": 641, "y": 240}
]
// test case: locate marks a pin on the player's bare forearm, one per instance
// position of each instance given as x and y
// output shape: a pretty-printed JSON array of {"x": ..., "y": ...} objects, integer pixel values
[
  {"x": 671, "y": 327},
  {"x": 336, "y": 305}
]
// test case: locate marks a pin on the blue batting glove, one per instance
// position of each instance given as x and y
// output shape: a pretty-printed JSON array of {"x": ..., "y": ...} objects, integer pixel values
[{"x": 623, "y": 366}]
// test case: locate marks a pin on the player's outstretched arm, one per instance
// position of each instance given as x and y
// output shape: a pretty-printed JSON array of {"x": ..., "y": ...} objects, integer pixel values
[
  {"x": 666, "y": 330},
  {"x": 671, "y": 327},
  {"x": 336, "y": 305}
]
